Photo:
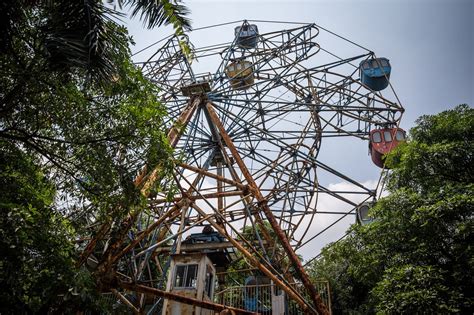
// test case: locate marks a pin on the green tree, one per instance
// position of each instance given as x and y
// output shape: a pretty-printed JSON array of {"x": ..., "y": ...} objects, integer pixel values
[
  {"x": 37, "y": 258},
  {"x": 77, "y": 122},
  {"x": 37, "y": 272},
  {"x": 417, "y": 256},
  {"x": 31, "y": 249},
  {"x": 71, "y": 94},
  {"x": 80, "y": 33}
]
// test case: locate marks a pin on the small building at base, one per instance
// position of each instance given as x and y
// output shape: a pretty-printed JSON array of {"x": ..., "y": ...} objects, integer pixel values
[{"x": 191, "y": 275}]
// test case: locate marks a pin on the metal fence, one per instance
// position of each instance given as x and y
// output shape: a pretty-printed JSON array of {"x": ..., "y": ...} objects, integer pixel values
[{"x": 259, "y": 298}]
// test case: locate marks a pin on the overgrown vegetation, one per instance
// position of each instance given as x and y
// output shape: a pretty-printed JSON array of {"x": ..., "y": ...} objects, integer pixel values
[
  {"x": 417, "y": 257},
  {"x": 77, "y": 122}
]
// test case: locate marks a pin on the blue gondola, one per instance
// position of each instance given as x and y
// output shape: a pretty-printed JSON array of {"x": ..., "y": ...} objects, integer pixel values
[
  {"x": 375, "y": 73},
  {"x": 247, "y": 35}
]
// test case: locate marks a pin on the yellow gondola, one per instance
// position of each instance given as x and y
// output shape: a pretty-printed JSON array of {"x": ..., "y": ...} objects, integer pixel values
[{"x": 240, "y": 73}]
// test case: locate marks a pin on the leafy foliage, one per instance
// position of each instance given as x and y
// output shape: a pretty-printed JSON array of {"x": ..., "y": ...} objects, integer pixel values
[
  {"x": 414, "y": 289},
  {"x": 439, "y": 154},
  {"x": 82, "y": 33},
  {"x": 417, "y": 255},
  {"x": 37, "y": 258},
  {"x": 77, "y": 122},
  {"x": 157, "y": 13},
  {"x": 92, "y": 135}
]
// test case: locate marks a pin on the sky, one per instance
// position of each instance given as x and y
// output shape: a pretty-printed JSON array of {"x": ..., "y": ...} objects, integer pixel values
[{"x": 430, "y": 45}]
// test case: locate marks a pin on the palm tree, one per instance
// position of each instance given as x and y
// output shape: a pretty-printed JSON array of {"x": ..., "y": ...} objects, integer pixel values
[{"x": 83, "y": 34}]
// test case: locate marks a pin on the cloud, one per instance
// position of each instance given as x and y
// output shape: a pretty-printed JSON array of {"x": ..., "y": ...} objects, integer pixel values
[
  {"x": 330, "y": 221},
  {"x": 331, "y": 227}
]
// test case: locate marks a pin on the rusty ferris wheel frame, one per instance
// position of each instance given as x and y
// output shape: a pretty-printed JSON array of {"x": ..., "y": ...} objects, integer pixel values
[{"x": 246, "y": 155}]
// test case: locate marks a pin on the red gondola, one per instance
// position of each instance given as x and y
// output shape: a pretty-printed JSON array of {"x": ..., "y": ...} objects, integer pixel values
[{"x": 382, "y": 141}]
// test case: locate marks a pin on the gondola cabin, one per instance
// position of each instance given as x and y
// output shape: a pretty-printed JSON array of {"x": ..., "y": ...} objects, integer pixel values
[
  {"x": 382, "y": 141},
  {"x": 246, "y": 36},
  {"x": 196, "y": 86},
  {"x": 362, "y": 213},
  {"x": 375, "y": 73},
  {"x": 240, "y": 74}
]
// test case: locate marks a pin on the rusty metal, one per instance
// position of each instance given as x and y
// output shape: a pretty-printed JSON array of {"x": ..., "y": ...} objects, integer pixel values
[
  {"x": 249, "y": 157},
  {"x": 233, "y": 295},
  {"x": 203, "y": 196},
  {"x": 200, "y": 247},
  {"x": 146, "y": 181},
  {"x": 251, "y": 256},
  {"x": 257, "y": 264},
  {"x": 179, "y": 298},
  {"x": 173, "y": 136},
  {"x": 214, "y": 176},
  {"x": 318, "y": 303},
  {"x": 126, "y": 301},
  {"x": 253, "y": 259},
  {"x": 92, "y": 244},
  {"x": 236, "y": 182},
  {"x": 173, "y": 213}
]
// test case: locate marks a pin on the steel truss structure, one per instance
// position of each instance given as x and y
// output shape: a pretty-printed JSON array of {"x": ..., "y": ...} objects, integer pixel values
[{"x": 246, "y": 155}]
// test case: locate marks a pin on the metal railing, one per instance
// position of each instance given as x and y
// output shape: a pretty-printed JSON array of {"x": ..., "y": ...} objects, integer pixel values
[{"x": 259, "y": 298}]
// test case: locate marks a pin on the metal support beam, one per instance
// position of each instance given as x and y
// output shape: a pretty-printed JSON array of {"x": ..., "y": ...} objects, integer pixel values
[
  {"x": 224, "y": 194},
  {"x": 212, "y": 175},
  {"x": 180, "y": 298},
  {"x": 198, "y": 247},
  {"x": 144, "y": 180},
  {"x": 125, "y": 301},
  {"x": 318, "y": 303},
  {"x": 172, "y": 213},
  {"x": 257, "y": 264}
]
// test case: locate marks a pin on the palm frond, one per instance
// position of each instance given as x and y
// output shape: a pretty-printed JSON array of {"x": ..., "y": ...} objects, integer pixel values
[
  {"x": 161, "y": 12},
  {"x": 83, "y": 34}
]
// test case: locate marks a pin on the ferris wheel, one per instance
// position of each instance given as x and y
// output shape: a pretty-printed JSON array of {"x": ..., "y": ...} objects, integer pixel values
[
  {"x": 276, "y": 106},
  {"x": 248, "y": 132}
]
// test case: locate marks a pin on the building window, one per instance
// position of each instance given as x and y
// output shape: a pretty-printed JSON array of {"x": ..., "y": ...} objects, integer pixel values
[{"x": 186, "y": 276}]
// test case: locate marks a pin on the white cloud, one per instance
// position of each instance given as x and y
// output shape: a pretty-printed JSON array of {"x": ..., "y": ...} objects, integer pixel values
[{"x": 327, "y": 203}]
